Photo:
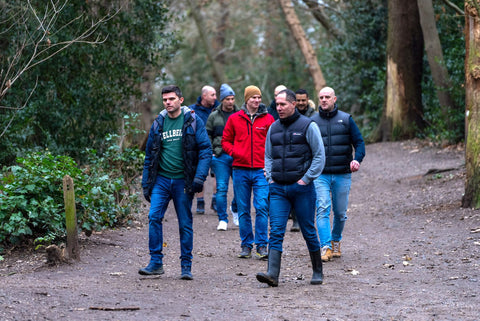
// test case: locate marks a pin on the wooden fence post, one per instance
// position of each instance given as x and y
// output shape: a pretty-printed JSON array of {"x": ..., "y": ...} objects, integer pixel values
[{"x": 73, "y": 251}]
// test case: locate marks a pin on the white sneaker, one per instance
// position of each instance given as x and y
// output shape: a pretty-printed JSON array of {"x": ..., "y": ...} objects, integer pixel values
[
  {"x": 222, "y": 226},
  {"x": 235, "y": 217}
]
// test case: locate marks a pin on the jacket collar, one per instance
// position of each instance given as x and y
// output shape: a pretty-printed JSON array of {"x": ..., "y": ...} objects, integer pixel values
[
  {"x": 290, "y": 119},
  {"x": 328, "y": 114},
  {"x": 186, "y": 111},
  {"x": 262, "y": 109},
  {"x": 199, "y": 104}
]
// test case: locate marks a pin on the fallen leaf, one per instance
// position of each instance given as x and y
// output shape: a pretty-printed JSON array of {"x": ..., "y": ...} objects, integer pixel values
[{"x": 352, "y": 271}]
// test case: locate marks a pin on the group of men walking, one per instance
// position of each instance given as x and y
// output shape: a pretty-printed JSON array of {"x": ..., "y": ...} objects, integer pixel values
[{"x": 293, "y": 159}]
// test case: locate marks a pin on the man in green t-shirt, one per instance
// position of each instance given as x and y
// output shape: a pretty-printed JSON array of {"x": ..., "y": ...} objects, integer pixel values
[{"x": 177, "y": 160}]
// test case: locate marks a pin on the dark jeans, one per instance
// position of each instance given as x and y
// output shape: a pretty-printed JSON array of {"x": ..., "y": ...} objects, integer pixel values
[
  {"x": 302, "y": 199},
  {"x": 164, "y": 190}
]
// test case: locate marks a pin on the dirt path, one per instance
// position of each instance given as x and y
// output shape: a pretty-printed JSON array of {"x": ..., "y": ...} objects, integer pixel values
[{"x": 410, "y": 253}]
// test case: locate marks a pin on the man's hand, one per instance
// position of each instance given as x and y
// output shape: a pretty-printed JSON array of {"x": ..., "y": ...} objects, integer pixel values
[
  {"x": 197, "y": 185},
  {"x": 147, "y": 196},
  {"x": 354, "y": 166},
  {"x": 300, "y": 182}
]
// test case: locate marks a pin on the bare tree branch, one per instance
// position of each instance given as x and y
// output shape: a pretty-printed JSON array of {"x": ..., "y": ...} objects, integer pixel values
[
  {"x": 40, "y": 45},
  {"x": 43, "y": 49},
  {"x": 319, "y": 14},
  {"x": 454, "y": 7}
]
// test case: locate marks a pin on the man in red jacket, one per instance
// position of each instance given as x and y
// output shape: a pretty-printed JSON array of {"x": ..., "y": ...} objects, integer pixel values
[{"x": 244, "y": 139}]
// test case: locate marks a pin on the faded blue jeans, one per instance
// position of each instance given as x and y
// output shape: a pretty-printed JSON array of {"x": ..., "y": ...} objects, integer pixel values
[
  {"x": 244, "y": 182},
  {"x": 222, "y": 168},
  {"x": 332, "y": 193},
  {"x": 163, "y": 191},
  {"x": 283, "y": 197}
]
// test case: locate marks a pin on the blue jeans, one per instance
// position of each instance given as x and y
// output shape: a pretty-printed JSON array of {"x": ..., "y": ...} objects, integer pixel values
[
  {"x": 163, "y": 191},
  {"x": 244, "y": 182},
  {"x": 222, "y": 167},
  {"x": 302, "y": 199},
  {"x": 332, "y": 192}
]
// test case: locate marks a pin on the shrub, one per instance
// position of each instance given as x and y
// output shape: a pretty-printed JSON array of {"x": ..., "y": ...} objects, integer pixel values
[{"x": 31, "y": 193}]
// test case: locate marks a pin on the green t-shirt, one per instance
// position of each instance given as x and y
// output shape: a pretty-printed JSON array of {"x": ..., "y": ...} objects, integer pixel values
[{"x": 171, "y": 159}]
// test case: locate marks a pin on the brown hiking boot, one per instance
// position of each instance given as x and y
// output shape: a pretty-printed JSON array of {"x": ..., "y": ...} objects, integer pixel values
[
  {"x": 326, "y": 254},
  {"x": 336, "y": 249}
]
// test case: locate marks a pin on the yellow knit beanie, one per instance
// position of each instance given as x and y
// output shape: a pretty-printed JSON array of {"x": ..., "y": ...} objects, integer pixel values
[{"x": 251, "y": 91}]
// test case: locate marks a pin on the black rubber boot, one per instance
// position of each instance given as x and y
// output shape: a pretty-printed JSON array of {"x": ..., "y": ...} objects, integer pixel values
[
  {"x": 295, "y": 227},
  {"x": 271, "y": 277},
  {"x": 317, "y": 277}
]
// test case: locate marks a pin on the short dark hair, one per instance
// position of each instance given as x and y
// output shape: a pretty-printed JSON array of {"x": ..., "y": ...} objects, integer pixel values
[
  {"x": 172, "y": 89},
  {"x": 302, "y": 91},
  {"x": 290, "y": 95}
]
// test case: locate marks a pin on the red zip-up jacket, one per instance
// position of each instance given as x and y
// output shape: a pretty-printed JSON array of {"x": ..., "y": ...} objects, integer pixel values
[{"x": 244, "y": 140}]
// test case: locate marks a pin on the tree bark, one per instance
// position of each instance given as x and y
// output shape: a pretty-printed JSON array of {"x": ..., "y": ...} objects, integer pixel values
[
  {"x": 434, "y": 52},
  {"x": 305, "y": 45},
  {"x": 471, "y": 197},
  {"x": 144, "y": 107},
  {"x": 220, "y": 37},
  {"x": 402, "y": 114}
]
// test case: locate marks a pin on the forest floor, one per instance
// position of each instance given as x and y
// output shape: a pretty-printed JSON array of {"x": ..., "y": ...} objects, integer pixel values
[{"x": 410, "y": 252}]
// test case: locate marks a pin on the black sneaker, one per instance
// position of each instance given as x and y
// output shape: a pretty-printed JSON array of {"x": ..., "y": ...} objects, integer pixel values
[
  {"x": 262, "y": 252},
  {"x": 200, "y": 206},
  {"x": 152, "y": 269},
  {"x": 246, "y": 253}
]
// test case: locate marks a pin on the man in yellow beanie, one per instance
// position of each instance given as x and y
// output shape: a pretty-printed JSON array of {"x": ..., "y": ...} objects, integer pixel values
[{"x": 244, "y": 139}]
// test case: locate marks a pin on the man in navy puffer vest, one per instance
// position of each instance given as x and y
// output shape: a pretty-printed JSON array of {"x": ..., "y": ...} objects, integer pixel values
[
  {"x": 340, "y": 135},
  {"x": 294, "y": 158}
]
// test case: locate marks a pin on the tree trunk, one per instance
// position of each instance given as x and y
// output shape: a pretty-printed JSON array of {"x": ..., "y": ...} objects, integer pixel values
[
  {"x": 305, "y": 45},
  {"x": 402, "y": 114},
  {"x": 435, "y": 57},
  {"x": 144, "y": 107},
  {"x": 220, "y": 37},
  {"x": 471, "y": 197},
  {"x": 217, "y": 69}
]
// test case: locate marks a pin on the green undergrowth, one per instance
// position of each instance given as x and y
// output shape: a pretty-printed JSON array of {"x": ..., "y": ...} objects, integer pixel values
[{"x": 31, "y": 193}]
